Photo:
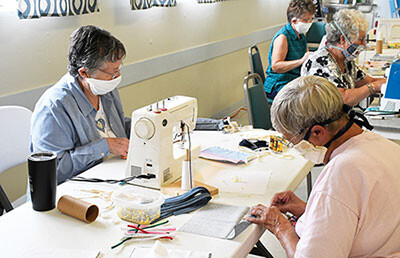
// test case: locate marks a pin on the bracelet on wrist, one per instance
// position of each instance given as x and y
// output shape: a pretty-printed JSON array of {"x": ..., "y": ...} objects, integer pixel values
[{"x": 371, "y": 89}]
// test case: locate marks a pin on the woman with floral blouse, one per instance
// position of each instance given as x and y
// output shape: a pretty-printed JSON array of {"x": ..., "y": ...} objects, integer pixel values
[{"x": 336, "y": 61}]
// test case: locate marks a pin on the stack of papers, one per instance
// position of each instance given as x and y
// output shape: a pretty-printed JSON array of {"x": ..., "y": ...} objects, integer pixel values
[{"x": 225, "y": 155}]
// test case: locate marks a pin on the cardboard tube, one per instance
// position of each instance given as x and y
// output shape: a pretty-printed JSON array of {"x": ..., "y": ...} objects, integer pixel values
[
  {"x": 379, "y": 46},
  {"x": 77, "y": 208}
]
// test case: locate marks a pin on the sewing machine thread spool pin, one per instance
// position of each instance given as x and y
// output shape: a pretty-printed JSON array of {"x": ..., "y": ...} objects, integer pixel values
[
  {"x": 187, "y": 181},
  {"x": 163, "y": 106},
  {"x": 157, "y": 109}
]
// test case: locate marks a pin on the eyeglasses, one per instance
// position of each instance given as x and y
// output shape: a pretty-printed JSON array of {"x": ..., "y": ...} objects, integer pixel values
[
  {"x": 113, "y": 75},
  {"x": 310, "y": 20},
  {"x": 289, "y": 143}
]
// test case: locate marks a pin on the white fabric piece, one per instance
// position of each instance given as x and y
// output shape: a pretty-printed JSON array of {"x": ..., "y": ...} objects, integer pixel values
[
  {"x": 160, "y": 251},
  {"x": 215, "y": 220}
]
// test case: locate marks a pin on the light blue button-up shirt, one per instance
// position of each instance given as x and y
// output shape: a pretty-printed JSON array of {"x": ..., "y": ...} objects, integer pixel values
[{"x": 64, "y": 122}]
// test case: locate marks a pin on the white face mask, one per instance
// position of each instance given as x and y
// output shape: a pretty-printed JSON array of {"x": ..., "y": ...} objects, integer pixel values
[
  {"x": 302, "y": 27},
  {"x": 315, "y": 154},
  {"x": 101, "y": 87}
]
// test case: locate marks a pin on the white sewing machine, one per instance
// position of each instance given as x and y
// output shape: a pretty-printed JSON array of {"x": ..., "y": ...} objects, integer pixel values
[{"x": 153, "y": 146}]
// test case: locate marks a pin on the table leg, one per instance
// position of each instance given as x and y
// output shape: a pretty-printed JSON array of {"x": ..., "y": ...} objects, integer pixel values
[{"x": 260, "y": 249}]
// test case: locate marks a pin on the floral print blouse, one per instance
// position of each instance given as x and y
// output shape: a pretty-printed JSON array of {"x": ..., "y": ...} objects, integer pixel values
[{"x": 323, "y": 64}]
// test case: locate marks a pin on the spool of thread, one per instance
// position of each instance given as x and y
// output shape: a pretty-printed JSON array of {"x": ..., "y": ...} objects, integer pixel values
[
  {"x": 79, "y": 209},
  {"x": 379, "y": 42},
  {"x": 187, "y": 181}
]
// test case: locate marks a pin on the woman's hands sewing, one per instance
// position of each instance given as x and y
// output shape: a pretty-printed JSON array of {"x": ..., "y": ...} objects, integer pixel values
[
  {"x": 118, "y": 146},
  {"x": 288, "y": 202},
  {"x": 269, "y": 217},
  {"x": 273, "y": 220}
]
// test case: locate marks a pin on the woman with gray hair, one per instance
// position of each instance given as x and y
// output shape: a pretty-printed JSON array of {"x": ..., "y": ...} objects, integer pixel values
[
  {"x": 353, "y": 207},
  {"x": 81, "y": 117},
  {"x": 345, "y": 39}
]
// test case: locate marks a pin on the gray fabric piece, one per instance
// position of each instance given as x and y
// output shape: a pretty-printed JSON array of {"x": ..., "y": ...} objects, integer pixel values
[
  {"x": 215, "y": 220},
  {"x": 208, "y": 124}
]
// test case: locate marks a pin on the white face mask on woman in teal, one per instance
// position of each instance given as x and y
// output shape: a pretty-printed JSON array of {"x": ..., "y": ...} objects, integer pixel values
[{"x": 302, "y": 27}]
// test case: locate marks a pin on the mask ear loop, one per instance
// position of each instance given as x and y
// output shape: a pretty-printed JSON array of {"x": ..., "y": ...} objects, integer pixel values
[{"x": 341, "y": 31}]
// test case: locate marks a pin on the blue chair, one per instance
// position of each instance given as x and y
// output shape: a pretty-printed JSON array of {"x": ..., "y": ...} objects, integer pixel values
[
  {"x": 256, "y": 101},
  {"x": 256, "y": 65},
  {"x": 315, "y": 34}
]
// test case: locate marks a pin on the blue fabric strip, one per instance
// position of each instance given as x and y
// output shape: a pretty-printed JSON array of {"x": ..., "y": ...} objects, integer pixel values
[{"x": 185, "y": 203}]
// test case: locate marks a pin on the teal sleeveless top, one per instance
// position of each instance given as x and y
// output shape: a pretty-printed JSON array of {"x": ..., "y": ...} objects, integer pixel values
[{"x": 297, "y": 47}]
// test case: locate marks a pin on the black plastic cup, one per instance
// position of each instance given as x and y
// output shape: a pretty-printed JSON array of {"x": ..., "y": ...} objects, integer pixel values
[{"x": 42, "y": 170}]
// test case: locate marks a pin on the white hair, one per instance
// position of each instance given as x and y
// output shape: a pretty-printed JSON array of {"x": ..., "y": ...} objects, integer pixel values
[
  {"x": 304, "y": 102},
  {"x": 349, "y": 21}
]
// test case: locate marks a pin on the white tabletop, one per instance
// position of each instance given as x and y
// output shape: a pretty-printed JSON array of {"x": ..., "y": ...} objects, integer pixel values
[{"x": 25, "y": 231}]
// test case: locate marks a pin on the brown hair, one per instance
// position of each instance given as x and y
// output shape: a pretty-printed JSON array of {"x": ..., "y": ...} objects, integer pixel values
[{"x": 297, "y": 8}]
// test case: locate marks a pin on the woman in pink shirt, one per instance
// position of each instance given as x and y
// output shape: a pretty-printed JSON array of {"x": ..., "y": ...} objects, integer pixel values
[{"x": 353, "y": 210}]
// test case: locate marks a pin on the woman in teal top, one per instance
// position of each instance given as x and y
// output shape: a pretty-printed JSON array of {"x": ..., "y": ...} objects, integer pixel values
[{"x": 288, "y": 49}]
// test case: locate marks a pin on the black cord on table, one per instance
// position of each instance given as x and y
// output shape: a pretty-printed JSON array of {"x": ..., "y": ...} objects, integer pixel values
[{"x": 112, "y": 181}]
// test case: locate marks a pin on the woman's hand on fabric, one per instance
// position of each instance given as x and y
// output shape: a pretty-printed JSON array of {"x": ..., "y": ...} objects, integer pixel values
[
  {"x": 118, "y": 146},
  {"x": 288, "y": 202},
  {"x": 273, "y": 220},
  {"x": 269, "y": 217}
]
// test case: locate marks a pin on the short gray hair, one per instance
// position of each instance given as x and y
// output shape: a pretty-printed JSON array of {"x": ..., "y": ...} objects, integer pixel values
[
  {"x": 304, "y": 102},
  {"x": 350, "y": 22},
  {"x": 90, "y": 47}
]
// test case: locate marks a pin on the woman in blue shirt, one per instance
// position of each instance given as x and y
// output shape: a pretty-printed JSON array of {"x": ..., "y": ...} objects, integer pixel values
[
  {"x": 80, "y": 118},
  {"x": 288, "y": 49}
]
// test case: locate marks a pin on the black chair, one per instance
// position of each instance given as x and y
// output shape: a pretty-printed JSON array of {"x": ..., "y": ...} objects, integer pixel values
[
  {"x": 256, "y": 101},
  {"x": 256, "y": 65},
  {"x": 4, "y": 202}
]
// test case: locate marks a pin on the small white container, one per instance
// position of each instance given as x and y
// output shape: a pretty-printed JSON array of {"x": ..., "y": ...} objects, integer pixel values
[{"x": 138, "y": 205}]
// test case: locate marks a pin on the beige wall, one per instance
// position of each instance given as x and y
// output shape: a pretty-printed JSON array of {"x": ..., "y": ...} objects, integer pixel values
[
  {"x": 217, "y": 84},
  {"x": 33, "y": 52}
]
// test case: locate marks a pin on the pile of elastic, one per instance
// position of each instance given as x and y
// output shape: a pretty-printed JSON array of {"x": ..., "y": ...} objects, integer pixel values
[
  {"x": 185, "y": 203},
  {"x": 139, "y": 232}
]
